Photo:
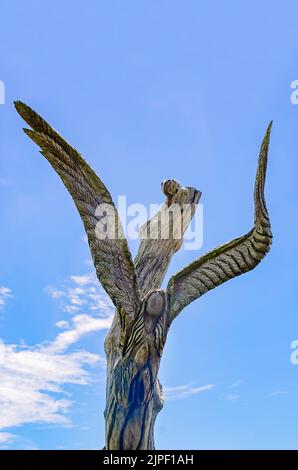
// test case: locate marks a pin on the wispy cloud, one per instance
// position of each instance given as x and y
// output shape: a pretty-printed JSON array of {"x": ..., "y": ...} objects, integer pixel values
[
  {"x": 6, "y": 437},
  {"x": 5, "y": 294},
  {"x": 184, "y": 391},
  {"x": 83, "y": 297},
  {"x": 82, "y": 293},
  {"x": 278, "y": 393},
  {"x": 81, "y": 325},
  {"x": 62, "y": 324},
  {"x": 28, "y": 378},
  {"x": 33, "y": 378},
  {"x": 232, "y": 396},
  {"x": 236, "y": 384}
]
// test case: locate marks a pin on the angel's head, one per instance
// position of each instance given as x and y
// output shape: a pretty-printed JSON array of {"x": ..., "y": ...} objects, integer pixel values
[
  {"x": 178, "y": 194},
  {"x": 170, "y": 187}
]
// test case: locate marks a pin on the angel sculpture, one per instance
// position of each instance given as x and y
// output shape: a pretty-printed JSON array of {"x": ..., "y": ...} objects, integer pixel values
[{"x": 145, "y": 311}]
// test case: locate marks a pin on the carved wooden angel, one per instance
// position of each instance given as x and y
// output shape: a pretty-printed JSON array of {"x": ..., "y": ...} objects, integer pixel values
[{"x": 145, "y": 311}]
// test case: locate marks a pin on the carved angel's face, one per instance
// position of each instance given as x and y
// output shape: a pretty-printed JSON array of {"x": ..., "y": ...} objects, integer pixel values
[{"x": 155, "y": 303}]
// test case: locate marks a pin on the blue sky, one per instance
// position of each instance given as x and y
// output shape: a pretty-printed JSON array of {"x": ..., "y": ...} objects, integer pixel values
[{"x": 147, "y": 91}]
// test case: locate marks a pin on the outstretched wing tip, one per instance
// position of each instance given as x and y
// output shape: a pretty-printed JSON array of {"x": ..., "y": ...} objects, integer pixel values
[
  {"x": 21, "y": 107},
  {"x": 32, "y": 118},
  {"x": 266, "y": 138},
  {"x": 35, "y": 136},
  {"x": 232, "y": 259},
  {"x": 268, "y": 130},
  {"x": 265, "y": 143},
  {"x": 261, "y": 212},
  {"x": 87, "y": 191}
]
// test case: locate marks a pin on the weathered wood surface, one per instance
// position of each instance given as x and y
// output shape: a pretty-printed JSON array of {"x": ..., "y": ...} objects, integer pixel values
[
  {"x": 134, "y": 394},
  {"x": 145, "y": 311}
]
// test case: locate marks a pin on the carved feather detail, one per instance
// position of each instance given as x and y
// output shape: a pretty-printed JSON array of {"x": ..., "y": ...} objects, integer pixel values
[
  {"x": 111, "y": 257},
  {"x": 228, "y": 260}
]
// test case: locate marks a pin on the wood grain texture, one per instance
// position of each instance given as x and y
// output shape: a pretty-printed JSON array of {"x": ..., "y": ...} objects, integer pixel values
[
  {"x": 231, "y": 259},
  {"x": 144, "y": 312},
  {"x": 112, "y": 259},
  {"x": 154, "y": 255}
]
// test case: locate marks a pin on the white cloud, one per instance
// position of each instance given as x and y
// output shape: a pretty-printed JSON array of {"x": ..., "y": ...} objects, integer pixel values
[
  {"x": 33, "y": 379},
  {"x": 54, "y": 293},
  {"x": 84, "y": 294},
  {"x": 62, "y": 324},
  {"x": 82, "y": 280},
  {"x": 6, "y": 437},
  {"x": 82, "y": 325},
  {"x": 232, "y": 397},
  {"x": 83, "y": 297},
  {"x": 277, "y": 393},
  {"x": 236, "y": 384},
  {"x": 28, "y": 375},
  {"x": 5, "y": 293},
  {"x": 185, "y": 391}
]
